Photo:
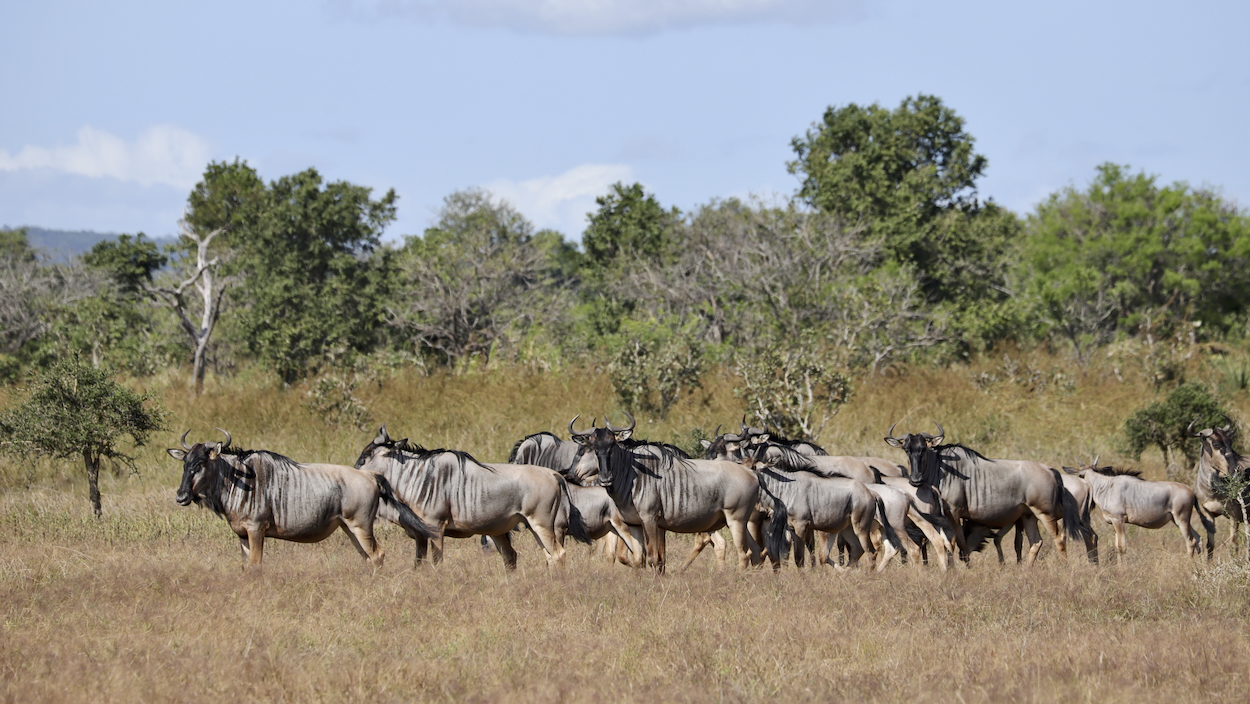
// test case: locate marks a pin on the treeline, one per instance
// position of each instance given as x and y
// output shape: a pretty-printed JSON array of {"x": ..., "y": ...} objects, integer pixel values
[{"x": 886, "y": 253}]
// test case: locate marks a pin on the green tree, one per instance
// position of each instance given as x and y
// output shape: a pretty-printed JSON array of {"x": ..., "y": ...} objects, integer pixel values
[
  {"x": 629, "y": 222},
  {"x": 310, "y": 283},
  {"x": 76, "y": 410},
  {"x": 1128, "y": 255},
  {"x": 476, "y": 278},
  {"x": 908, "y": 177}
]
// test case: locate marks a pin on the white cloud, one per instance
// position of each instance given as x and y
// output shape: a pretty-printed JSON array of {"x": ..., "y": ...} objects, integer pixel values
[
  {"x": 605, "y": 17},
  {"x": 562, "y": 202},
  {"x": 163, "y": 154}
]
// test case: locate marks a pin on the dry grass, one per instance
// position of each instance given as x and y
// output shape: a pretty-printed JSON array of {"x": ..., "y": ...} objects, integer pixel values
[{"x": 150, "y": 603}]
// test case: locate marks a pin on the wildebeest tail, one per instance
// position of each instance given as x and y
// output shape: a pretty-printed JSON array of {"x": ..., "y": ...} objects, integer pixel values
[
  {"x": 775, "y": 531},
  {"x": 577, "y": 524},
  {"x": 1073, "y": 526},
  {"x": 408, "y": 520}
]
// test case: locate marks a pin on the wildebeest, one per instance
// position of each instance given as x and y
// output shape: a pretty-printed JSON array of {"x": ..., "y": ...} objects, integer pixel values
[
  {"x": 1076, "y": 497},
  {"x": 805, "y": 502},
  {"x": 995, "y": 493},
  {"x": 461, "y": 497},
  {"x": 1124, "y": 497},
  {"x": 657, "y": 488},
  {"x": 600, "y": 513},
  {"x": 1217, "y": 462},
  {"x": 265, "y": 495}
]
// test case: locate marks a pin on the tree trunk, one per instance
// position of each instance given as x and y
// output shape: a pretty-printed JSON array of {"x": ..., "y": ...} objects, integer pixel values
[{"x": 93, "y": 479}]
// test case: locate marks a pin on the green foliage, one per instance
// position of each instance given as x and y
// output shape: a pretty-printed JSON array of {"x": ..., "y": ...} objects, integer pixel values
[
  {"x": 630, "y": 223},
  {"x": 129, "y": 261},
  {"x": 76, "y": 410},
  {"x": 1163, "y": 423},
  {"x": 309, "y": 285},
  {"x": 1127, "y": 255},
  {"x": 908, "y": 176},
  {"x": 230, "y": 196},
  {"x": 792, "y": 387},
  {"x": 477, "y": 278},
  {"x": 15, "y": 246},
  {"x": 655, "y": 365}
]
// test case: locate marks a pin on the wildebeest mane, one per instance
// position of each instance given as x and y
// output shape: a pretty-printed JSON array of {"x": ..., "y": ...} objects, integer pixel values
[
  {"x": 795, "y": 461},
  {"x": 787, "y": 442},
  {"x": 515, "y": 448},
  {"x": 632, "y": 443},
  {"x": 967, "y": 452},
  {"x": 1117, "y": 472},
  {"x": 668, "y": 455}
]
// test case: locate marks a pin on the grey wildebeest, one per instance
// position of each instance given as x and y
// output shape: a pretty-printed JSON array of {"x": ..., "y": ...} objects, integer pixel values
[
  {"x": 995, "y": 493},
  {"x": 1075, "y": 492},
  {"x": 894, "y": 506},
  {"x": 1216, "y": 463},
  {"x": 805, "y": 502},
  {"x": 460, "y": 497},
  {"x": 601, "y": 516},
  {"x": 265, "y": 495},
  {"x": 657, "y": 488},
  {"x": 1124, "y": 497}
]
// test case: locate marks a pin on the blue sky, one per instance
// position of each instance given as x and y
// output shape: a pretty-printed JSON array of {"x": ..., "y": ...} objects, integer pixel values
[{"x": 113, "y": 109}]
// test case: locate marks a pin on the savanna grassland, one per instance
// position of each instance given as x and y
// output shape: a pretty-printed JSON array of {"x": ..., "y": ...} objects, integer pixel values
[{"x": 150, "y": 603}]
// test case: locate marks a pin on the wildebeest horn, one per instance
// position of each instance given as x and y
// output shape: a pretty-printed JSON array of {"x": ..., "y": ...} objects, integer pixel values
[
  {"x": 941, "y": 432},
  {"x": 1095, "y": 462},
  {"x": 890, "y": 433},
  {"x": 229, "y": 441},
  {"x": 382, "y": 437},
  {"x": 746, "y": 430},
  {"x": 1189, "y": 429},
  {"x": 716, "y": 433},
  {"x": 583, "y": 433},
  {"x": 1228, "y": 423},
  {"x": 632, "y": 424},
  {"x": 183, "y": 440}
]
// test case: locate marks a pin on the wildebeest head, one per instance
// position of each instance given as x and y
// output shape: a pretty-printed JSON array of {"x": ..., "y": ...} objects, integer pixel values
[
  {"x": 1217, "y": 444},
  {"x": 379, "y": 445},
  {"x": 600, "y": 441},
  {"x": 197, "y": 467},
  {"x": 920, "y": 449}
]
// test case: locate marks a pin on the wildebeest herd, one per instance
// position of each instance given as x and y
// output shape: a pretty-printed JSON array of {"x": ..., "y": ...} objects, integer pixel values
[{"x": 777, "y": 497}]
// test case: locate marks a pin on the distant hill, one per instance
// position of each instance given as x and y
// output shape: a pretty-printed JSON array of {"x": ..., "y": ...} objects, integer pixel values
[{"x": 74, "y": 242}]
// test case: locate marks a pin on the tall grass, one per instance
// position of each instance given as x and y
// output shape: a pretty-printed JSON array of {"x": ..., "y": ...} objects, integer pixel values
[{"x": 150, "y": 603}]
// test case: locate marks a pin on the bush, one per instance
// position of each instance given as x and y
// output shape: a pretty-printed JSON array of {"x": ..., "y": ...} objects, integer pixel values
[{"x": 1164, "y": 424}]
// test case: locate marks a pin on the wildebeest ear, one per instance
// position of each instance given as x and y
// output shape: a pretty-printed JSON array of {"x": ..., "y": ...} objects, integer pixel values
[
  {"x": 759, "y": 439},
  {"x": 623, "y": 435},
  {"x": 935, "y": 441},
  {"x": 894, "y": 442},
  {"x": 580, "y": 439},
  {"x": 772, "y": 460},
  {"x": 176, "y": 454},
  {"x": 214, "y": 450},
  {"x": 705, "y": 443},
  {"x": 1071, "y": 470}
]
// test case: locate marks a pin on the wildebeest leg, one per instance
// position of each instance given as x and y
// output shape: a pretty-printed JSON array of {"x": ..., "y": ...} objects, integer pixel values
[
  {"x": 742, "y": 541},
  {"x": 1035, "y": 539},
  {"x": 256, "y": 546},
  {"x": 1052, "y": 527},
  {"x": 660, "y": 551},
  {"x": 365, "y": 543},
  {"x": 933, "y": 536},
  {"x": 1121, "y": 539},
  {"x": 1183, "y": 520},
  {"x": 422, "y": 548},
  {"x": 854, "y": 548},
  {"x": 1019, "y": 541},
  {"x": 247, "y": 551},
  {"x": 701, "y": 540},
  {"x": 825, "y": 548},
  {"x": 504, "y": 544},
  {"x": 548, "y": 541},
  {"x": 886, "y": 549},
  {"x": 436, "y": 548},
  {"x": 621, "y": 534}
]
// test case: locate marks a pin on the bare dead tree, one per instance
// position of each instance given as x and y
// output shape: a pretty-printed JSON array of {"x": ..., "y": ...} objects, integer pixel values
[{"x": 203, "y": 277}]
